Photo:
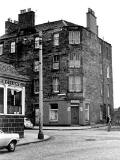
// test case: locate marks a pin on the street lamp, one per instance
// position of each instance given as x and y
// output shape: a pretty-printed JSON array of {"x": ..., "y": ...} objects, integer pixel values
[{"x": 40, "y": 134}]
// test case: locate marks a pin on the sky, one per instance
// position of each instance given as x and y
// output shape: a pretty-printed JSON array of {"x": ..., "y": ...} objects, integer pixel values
[{"x": 106, "y": 11}]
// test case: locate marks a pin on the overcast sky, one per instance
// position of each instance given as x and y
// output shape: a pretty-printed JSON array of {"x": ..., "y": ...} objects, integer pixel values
[{"x": 106, "y": 11}]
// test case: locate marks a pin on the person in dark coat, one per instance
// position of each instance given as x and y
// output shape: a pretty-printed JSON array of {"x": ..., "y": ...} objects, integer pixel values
[{"x": 109, "y": 122}]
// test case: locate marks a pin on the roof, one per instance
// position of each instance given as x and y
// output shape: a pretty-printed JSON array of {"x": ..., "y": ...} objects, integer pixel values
[
  {"x": 8, "y": 71},
  {"x": 43, "y": 26},
  {"x": 54, "y": 24}
]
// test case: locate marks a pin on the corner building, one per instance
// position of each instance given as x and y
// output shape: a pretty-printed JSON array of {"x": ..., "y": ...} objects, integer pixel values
[{"x": 77, "y": 68}]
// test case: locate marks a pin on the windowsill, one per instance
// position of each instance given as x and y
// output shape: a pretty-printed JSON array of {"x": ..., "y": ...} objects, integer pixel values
[{"x": 53, "y": 120}]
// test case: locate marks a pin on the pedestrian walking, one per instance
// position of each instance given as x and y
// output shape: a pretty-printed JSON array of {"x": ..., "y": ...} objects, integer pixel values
[{"x": 108, "y": 123}]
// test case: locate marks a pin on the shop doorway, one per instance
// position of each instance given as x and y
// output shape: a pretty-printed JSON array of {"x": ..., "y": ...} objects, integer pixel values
[{"x": 74, "y": 115}]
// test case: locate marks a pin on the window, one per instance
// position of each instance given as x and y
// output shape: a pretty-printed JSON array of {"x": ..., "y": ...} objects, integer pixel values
[
  {"x": 74, "y": 84},
  {"x": 100, "y": 48},
  {"x": 101, "y": 90},
  {"x": 108, "y": 72},
  {"x": 74, "y": 37},
  {"x": 107, "y": 52},
  {"x": 56, "y": 62},
  {"x": 55, "y": 85},
  {"x": 56, "y": 39},
  {"x": 36, "y": 86},
  {"x": 1, "y": 100},
  {"x": 74, "y": 60},
  {"x": 108, "y": 91},
  {"x": 14, "y": 101},
  {"x": 37, "y": 42},
  {"x": 1, "y": 49},
  {"x": 87, "y": 105},
  {"x": 12, "y": 47},
  {"x": 53, "y": 116},
  {"x": 108, "y": 110},
  {"x": 101, "y": 113},
  {"x": 36, "y": 66},
  {"x": 101, "y": 71}
]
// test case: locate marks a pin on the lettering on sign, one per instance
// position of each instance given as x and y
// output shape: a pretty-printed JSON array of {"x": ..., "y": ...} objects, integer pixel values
[{"x": 10, "y": 82}]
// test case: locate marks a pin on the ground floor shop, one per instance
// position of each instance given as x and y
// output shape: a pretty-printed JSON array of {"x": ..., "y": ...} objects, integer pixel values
[
  {"x": 12, "y": 100},
  {"x": 71, "y": 112}
]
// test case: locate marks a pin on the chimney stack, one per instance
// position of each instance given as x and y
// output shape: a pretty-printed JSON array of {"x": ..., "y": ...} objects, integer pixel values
[
  {"x": 91, "y": 21},
  {"x": 26, "y": 18}
]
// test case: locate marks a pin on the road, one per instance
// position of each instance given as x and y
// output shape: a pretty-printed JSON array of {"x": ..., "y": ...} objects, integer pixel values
[{"x": 92, "y": 144}]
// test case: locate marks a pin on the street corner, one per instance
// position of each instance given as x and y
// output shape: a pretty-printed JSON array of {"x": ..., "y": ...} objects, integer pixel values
[{"x": 28, "y": 139}]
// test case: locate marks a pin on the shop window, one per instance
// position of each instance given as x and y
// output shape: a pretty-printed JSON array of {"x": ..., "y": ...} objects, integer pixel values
[
  {"x": 55, "y": 85},
  {"x": 12, "y": 47},
  {"x": 1, "y": 49},
  {"x": 74, "y": 37},
  {"x": 56, "y": 62},
  {"x": 87, "y": 105},
  {"x": 74, "y": 83},
  {"x": 1, "y": 100},
  {"x": 14, "y": 101},
  {"x": 56, "y": 39},
  {"x": 36, "y": 66},
  {"x": 36, "y": 86},
  {"x": 53, "y": 115},
  {"x": 37, "y": 42},
  {"x": 74, "y": 60}
]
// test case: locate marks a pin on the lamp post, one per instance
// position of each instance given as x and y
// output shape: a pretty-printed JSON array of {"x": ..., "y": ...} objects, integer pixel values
[{"x": 40, "y": 134}]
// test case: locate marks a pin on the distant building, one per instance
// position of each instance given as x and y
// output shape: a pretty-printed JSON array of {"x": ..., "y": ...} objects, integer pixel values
[{"x": 77, "y": 68}]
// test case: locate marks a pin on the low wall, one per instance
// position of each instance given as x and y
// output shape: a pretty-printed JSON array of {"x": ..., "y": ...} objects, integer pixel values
[{"x": 12, "y": 124}]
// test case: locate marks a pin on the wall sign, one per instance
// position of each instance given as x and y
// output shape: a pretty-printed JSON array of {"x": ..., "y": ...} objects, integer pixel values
[{"x": 11, "y": 82}]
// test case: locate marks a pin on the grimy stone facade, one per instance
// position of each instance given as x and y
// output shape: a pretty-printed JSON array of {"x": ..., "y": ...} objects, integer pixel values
[{"x": 96, "y": 57}]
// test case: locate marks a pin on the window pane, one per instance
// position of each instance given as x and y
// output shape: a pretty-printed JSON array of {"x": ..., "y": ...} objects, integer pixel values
[
  {"x": 36, "y": 66},
  {"x": 86, "y": 112},
  {"x": 14, "y": 101},
  {"x": 1, "y": 49},
  {"x": 37, "y": 42},
  {"x": 13, "y": 47},
  {"x": 54, "y": 112},
  {"x": 55, "y": 85},
  {"x": 74, "y": 37},
  {"x": 1, "y": 100},
  {"x": 56, "y": 39}
]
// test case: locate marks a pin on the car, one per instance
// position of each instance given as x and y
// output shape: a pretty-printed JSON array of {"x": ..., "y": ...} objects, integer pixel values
[
  {"x": 28, "y": 123},
  {"x": 8, "y": 140}
]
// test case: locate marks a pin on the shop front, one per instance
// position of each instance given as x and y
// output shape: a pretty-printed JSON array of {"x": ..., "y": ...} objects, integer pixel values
[{"x": 12, "y": 100}]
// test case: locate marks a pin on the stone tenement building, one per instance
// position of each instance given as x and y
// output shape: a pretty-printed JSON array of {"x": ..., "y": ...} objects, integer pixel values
[{"x": 77, "y": 68}]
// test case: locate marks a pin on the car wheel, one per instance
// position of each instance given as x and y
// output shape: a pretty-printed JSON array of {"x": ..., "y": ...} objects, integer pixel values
[{"x": 11, "y": 146}]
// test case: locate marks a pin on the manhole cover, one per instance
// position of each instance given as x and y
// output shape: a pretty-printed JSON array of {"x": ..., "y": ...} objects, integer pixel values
[{"x": 90, "y": 139}]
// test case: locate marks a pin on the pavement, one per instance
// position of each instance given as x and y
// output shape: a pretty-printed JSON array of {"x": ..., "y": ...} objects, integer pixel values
[{"x": 32, "y": 137}]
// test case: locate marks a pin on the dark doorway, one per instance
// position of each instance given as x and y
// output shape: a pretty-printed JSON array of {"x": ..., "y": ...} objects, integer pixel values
[{"x": 74, "y": 115}]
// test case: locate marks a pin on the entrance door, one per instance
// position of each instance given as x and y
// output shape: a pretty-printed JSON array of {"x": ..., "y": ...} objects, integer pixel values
[{"x": 74, "y": 115}]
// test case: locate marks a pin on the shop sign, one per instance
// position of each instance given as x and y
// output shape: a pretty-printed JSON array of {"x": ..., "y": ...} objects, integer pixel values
[
  {"x": 75, "y": 101},
  {"x": 11, "y": 82}
]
